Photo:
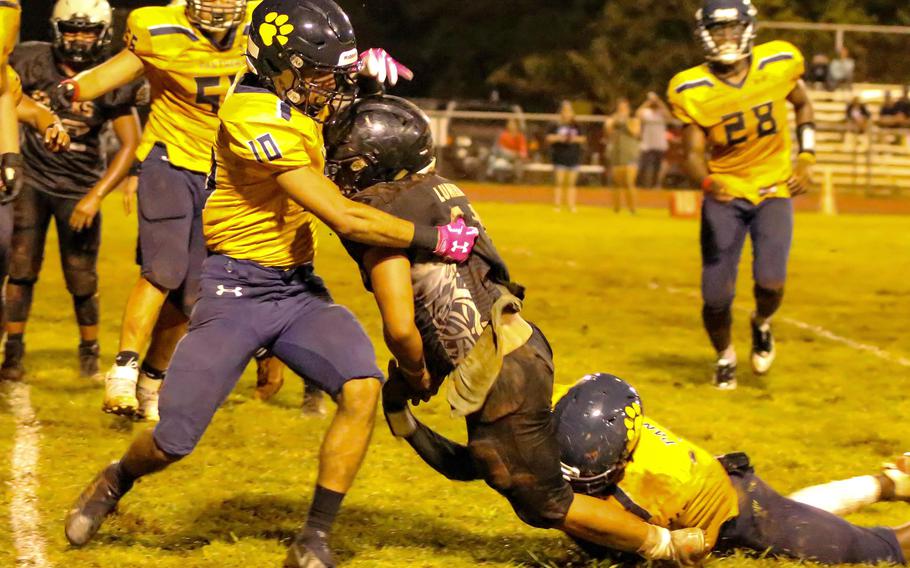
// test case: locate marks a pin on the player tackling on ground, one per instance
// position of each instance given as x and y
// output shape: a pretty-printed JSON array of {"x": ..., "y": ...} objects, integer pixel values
[
  {"x": 258, "y": 286},
  {"x": 738, "y": 148}
]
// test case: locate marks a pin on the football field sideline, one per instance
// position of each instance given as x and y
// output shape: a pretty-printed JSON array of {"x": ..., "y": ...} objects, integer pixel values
[{"x": 612, "y": 292}]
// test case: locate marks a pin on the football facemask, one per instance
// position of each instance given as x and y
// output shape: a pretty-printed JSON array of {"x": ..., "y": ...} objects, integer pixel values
[{"x": 215, "y": 15}]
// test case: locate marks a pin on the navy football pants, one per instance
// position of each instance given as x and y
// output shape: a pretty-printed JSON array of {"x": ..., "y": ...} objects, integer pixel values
[
  {"x": 769, "y": 522},
  {"x": 243, "y": 306}
]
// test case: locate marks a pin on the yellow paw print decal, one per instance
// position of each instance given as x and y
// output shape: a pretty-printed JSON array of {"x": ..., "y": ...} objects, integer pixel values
[
  {"x": 634, "y": 420},
  {"x": 275, "y": 27}
]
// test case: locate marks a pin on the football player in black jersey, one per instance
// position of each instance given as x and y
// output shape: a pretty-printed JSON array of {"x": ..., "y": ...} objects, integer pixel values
[
  {"x": 462, "y": 324},
  {"x": 66, "y": 187}
]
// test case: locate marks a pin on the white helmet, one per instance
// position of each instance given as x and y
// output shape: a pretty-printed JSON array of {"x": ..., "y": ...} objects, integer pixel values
[
  {"x": 215, "y": 15},
  {"x": 73, "y": 16}
]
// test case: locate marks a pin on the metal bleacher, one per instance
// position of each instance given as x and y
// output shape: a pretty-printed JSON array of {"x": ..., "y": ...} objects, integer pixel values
[{"x": 877, "y": 162}]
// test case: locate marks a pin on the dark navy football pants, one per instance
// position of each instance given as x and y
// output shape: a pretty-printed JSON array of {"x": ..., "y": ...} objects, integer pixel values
[
  {"x": 771, "y": 523},
  {"x": 171, "y": 244},
  {"x": 243, "y": 306},
  {"x": 724, "y": 227}
]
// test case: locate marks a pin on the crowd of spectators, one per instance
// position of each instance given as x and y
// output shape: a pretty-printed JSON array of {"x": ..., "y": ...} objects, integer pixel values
[{"x": 832, "y": 74}]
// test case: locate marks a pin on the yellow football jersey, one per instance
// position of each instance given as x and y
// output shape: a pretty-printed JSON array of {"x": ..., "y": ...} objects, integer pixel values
[
  {"x": 14, "y": 84},
  {"x": 747, "y": 124},
  {"x": 248, "y": 216},
  {"x": 675, "y": 484},
  {"x": 9, "y": 27},
  {"x": 189, "y": 77}
]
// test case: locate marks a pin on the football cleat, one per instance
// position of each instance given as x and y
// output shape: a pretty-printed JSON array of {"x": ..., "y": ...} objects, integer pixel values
[
  {"x": 147, "y": 390},
  {"x": 12, "y": 369},
  {"x": 94, "y": 504},
  {"x": 88, "y": 361},
  {"x": 120, "y": 389},
  {"x": 763, "y": 351},
  {"x": 725, "y": 375},
  {"x": 310, "y": 549},
  {"x": 312, "y": 401},
  {"x": 899, "y": 474}
]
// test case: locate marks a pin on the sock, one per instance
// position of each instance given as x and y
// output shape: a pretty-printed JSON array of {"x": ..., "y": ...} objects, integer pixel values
[
  {"x": 15, "y": 347},
  {"x": 323, "y": 509},
  {"x": 152, "y": 372},
  {"x": 125, "y": 358},
  {"x": 718, "y": 322},
  {"x": 15, "y": 338},
  {"x": 729, "y": 354},
  {"x": 841, "y": 497}
]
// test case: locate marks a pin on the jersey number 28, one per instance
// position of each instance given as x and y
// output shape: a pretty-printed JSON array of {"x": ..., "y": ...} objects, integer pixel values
[{"x": 735, "y": 124}]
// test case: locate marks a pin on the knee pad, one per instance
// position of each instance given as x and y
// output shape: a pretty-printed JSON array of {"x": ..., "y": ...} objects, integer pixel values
[
  {"x": 81, "y": 276},
  {"x": 19, "y": 302},
  {"x": 767, "y": 300},
  {"x": 86, "y": 308}
]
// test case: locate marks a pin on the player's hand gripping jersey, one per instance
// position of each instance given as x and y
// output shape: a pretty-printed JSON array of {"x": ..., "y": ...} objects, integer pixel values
[
  {"x": 9, "y": 26},
  {"x": 747, "y": 124},
  {"x": 248, "y": 216},
  {"x": 189, "y": 76}
]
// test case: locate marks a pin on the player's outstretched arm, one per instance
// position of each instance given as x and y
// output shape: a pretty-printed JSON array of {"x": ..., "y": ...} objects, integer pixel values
[
  {"x": 309, "y": 188},
  {"x": 128, "y": 132},
  {"x": 118, "y": 71},
  {"x": 801, "y": 179},
  {"x": 43, "y": 120}
]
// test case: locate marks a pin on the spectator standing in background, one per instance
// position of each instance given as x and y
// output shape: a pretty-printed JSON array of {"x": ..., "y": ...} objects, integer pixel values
[
  {"x": 818, "y": 71},
  {"x": 623, "y": 131},
  {"x": 653, "y": 115},
  {"x": 857, "y": 123},
  {"x": 840, "y": 72},
  {"x": 902, "y": 107},
  {"x": 510, "y": 151},
  {"x": 566, "y": 149},
  {"x": 888, "y": 114}
]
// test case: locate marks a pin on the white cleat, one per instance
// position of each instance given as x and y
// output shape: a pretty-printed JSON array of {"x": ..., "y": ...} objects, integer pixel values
[
  {"x": 147, "y": 390},
  {"x": 899, "y": 474},
  {"x": 763, "y": 350},
  {"x": 120, "y": 390}
]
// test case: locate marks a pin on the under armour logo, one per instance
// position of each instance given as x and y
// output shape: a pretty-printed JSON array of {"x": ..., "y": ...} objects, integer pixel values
[
  {"x": 463, "y": 248},
  {"x": 237, "y": 291}
]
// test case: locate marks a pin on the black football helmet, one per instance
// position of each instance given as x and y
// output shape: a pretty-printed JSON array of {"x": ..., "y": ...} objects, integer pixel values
[
  {"x": 740, "y": 15},
  {"x": 598, "y": 426},
  {"x": 376, "y": 139},
  {"x": 81, "y": 17},
  {"x": 297, "y": 46}
]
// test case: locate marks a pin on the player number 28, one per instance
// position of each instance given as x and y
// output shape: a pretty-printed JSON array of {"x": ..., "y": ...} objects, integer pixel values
[{"x": 735, "y": 124}]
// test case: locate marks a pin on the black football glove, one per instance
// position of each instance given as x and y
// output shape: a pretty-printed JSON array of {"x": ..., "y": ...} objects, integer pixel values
[
  {"x": 11, "y": 176},
  {"x": 63, "y": 94}
]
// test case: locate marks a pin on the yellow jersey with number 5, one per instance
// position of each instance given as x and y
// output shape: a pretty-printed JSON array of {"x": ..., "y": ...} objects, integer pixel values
[
  {"x": 189, "y": 76},
  {"x": 247, "y": 215},
  {"x": 749, "y": 141}
]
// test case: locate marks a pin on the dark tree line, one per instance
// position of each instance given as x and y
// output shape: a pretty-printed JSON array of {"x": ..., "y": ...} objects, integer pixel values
[{"x": 538, "y": 52}]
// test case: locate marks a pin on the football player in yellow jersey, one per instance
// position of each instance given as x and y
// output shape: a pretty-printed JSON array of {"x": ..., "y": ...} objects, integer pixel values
[
  {"x": 189, "y": 54},
  {"x": 738, "y": 148},
  {"x": 258, "y": 287},
  {"x": 10, "y": 159}
]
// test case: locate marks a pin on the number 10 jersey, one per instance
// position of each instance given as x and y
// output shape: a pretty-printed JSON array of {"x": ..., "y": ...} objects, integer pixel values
[
  {"x": 747, "y": 124},
  {"x": 189, "y": 76}
]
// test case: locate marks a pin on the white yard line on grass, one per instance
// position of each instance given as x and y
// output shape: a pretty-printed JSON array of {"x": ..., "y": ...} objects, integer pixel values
[
  {"x": 812, "y": 328},
  {"x": 24, "y": 517}
]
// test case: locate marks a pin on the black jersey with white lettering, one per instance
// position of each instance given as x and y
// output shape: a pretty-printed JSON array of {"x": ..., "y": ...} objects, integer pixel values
[
  {"x": 73, "y": 173},
  {"x": 452, "y": 302}
]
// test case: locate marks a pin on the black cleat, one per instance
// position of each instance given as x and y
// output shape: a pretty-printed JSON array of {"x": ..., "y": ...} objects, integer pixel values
[
  {"x": 310, "y": 549},
  {"x": 96, "y": 502},
  {"x": 12, "y": 369},
  {"x": 88, "y": 361},
  {"x": 725, "y": 375},
  {"x": 763, "y": 352}
]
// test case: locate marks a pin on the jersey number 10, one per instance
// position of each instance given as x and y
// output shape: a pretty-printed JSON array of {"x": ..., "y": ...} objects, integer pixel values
[
  {"x": 735, "y": 124},
  {"x": 268, "y": 147}
]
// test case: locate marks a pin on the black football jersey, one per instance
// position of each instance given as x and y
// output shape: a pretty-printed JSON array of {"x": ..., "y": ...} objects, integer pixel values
[
  {"x": 452, "y": 302},
  {"x": 73, "y": 173}
]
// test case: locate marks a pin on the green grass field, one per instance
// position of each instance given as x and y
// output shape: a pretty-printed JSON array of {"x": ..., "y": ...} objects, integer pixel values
[{"x": 612, "y": 292}]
